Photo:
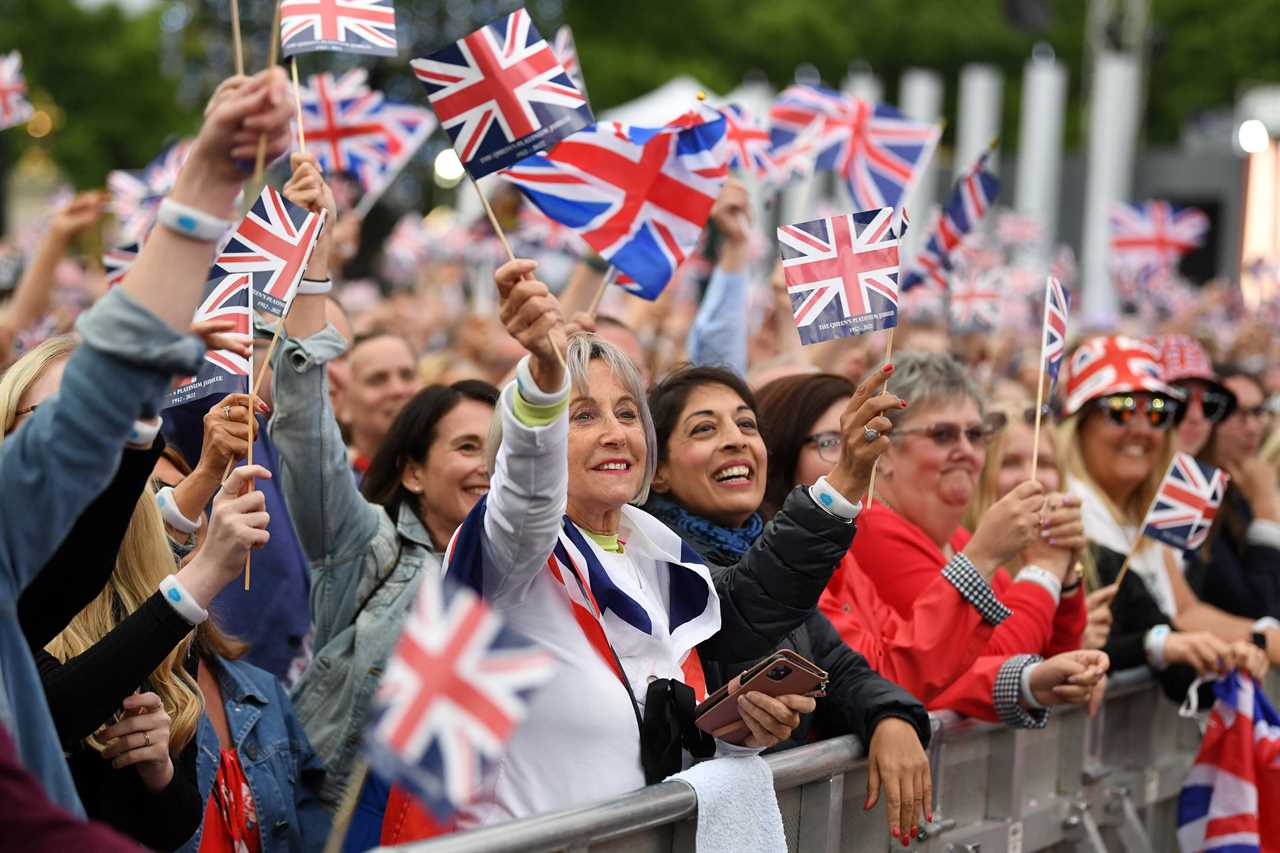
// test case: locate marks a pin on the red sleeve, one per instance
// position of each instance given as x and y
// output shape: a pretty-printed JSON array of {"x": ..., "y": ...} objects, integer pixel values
[
  {"x": 1068, "y": 624},
  {"x": 972, "y": 694},
  {"x": 921, "y": 654},
  {"x": 896, "y": 555},
  {"x": 1028, "y": 630}
]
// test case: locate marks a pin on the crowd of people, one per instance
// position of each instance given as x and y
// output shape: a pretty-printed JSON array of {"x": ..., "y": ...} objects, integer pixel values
[{"x": 720, "y": 492}]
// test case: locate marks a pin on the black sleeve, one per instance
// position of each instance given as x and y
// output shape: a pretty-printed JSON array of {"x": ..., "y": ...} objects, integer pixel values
[
  {"x": 161, "y": 821},
  {"x": 858, "y": 697},
  {"x": 85, "y": 691},
  {"x": 83, "y": 563},
  {"x": 1230, "y": 572},
  {"x": 775, "y": 586}
]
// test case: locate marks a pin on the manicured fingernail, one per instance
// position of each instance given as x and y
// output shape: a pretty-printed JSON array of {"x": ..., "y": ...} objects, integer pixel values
[
  {"x": 902, "y": 403},
  {"x": 888, "y": 368},
  {"x": 915, "y": 830},
  {"x": 1053, "y": 541},
  {"x": 929, "y": 817},
  {"x": 867, "y": 805},
  {"x": 906, "y": 841}
]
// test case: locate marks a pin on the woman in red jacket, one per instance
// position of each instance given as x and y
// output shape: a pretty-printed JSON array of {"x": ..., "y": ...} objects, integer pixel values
[{"x": 964, "y": 633}]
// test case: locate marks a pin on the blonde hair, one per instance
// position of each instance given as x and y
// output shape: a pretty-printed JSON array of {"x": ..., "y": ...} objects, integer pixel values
[
  {"x": 144, "y": 560},
  {"x": 24, "y": 373}
]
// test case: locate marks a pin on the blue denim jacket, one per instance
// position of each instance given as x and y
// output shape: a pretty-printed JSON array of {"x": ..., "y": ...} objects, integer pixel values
[
  {"x": 284, "y": 773},
  {"x": 51, "y": 469}
]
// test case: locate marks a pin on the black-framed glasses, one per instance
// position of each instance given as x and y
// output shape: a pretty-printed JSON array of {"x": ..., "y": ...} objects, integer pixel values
[
  {"x": 1216, "y": 405},
  {"x": 827, "y": 444},
  {"x": 19, "y": 414},
  {"x": 947, "y": 433},
  {"x": 1124, "y": 409}
]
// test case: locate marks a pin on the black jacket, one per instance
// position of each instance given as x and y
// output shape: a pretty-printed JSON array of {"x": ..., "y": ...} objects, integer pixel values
[
  {"x": 768, "y": 600},
  {"x": 1230, "y": 572}
]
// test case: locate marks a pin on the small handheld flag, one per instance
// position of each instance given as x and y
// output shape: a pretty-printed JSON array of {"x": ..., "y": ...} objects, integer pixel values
[
  {"x": 974, "y": 193},
  {"x": 502, "y": 94},
  {"x": 1154, "y": 235},
  {"x": 226, "y": 297},
  {"x": 1053, "y": 346},
  {"x": 567, "y": 52},
  {"x": 118, "y": 261},
  {"x": 1186, "y": 504},
  {"x": 14, "y": 106},
  {"x": 842, "y": 274},
  {"x": 457, "y": 685},
  {"x": 345, "y": 26},
  {"x": 973, "y": 303},
  {"x": 748, "y": 142}
]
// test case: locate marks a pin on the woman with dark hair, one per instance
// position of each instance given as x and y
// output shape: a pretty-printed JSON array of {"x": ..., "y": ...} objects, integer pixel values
[
  {"x": 707, "y": 487},
  {"x": 368, "y": 552}
]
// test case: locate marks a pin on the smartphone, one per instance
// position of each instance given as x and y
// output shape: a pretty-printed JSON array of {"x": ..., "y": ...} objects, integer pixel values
[{"x": 780, "y": 674}]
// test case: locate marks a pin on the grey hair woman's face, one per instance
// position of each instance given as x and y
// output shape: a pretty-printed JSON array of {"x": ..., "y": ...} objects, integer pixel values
[{"x": 607, "y": 451}]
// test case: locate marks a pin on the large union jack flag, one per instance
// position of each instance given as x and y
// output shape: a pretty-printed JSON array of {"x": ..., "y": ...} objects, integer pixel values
[
  {"x": 1057, "y": 305},
  {"x": 638, "y": 196},
  {"x": 1228, "y": 800},
  {"x": 1155, "y": 235},
  {"x": 348, "y": 26},
  {"x": 136, "y": 195},
  {"x": 842, "y": 274},
  {"x": 226, "y": 297},
  {"x": 502, "y": 94},
  {"x": 272, "y": 245},
  {"x": 118, "y": 261},
  {"x": 351, "y": 128},
  {"x": 1188, "y": 500},
  {"x": 748, "y": 142},
  {"x": 456, "y": 686},
  {"x": 14, "y": 106},
  {"x": 974, "y": 193},
  {"x": 878, "y": 151}
]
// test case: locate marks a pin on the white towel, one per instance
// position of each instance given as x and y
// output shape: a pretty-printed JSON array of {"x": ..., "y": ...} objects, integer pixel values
[{"x": 737, "y": 807}]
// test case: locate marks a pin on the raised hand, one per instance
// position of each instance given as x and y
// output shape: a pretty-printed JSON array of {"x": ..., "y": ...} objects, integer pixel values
[
  {"x": 221, "y": 334},
  {"x": 898, "y": 765},
  {"x": 240, "y": 111},
  {"x": 858, "y": 456},
  {"x": 226, "y": 431},
  {"x": 1007, "y": 528},
  {"x": 141, "y": 739},
  {"x": 238, "y": 523},
  {"x": 78, "y": 215},
  {"x": 307, "y": 188},
  {"x": 532, "y": 316},
  {"x": 732, "y": 214},
  {"x": 1061, "y": 536}
]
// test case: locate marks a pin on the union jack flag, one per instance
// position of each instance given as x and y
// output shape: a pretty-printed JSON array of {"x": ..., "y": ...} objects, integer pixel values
[
  {"x": 567, "y": 52},
  {"x": 796, "y": 159},
  {"x": 748, "y": 142},
  {"x": 1057, "y": 304},
  {"x": 351, "y": 128},
  {"x": 842, "y": 274},
  {"x": 638, "y": 196},
  {"x": 14, "y": 106},
  {"x": 118, "y": 261},
  {"x": 1015, "y": 229},
  {"x": 1188, "y": 500},
  {"x": 1155, "y": 234},
  {"x": 348, "y": 26},
  {"x": 972, "y": 196},
  {"x": 973, "y": 303},
  {"x": 457, "y": 685},
  {"x": 226, "y": 297},
  {"x": 502, "y": 94},
  {"x": 272, "y": 244},
  {"x": 1228, "y": 800},
  {"x": 877, "y": 150},
  {"x": 136, "y": 195}
]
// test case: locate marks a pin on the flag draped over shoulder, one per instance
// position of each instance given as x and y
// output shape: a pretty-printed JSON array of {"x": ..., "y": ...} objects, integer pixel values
[
  {"x": 502, "y": 94},
  {"x": 640, "y": 197},
  {"x": 1229, "y": 801}
]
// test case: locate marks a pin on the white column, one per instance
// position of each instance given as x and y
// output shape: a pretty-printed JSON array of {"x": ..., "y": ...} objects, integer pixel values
[
  {"x": 920, "y": 93},
  {"x": 1044, "y": 98},
  {"x": 1113, "y": 131},
  {"x": 980, "y": 107}
]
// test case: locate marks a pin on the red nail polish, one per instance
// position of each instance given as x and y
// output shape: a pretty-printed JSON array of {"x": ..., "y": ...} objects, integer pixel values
[
  {"x": 915, "y": 830},
  {"x": 867, "y": 805},
  {"x": 906, "y": 842},
  {"x": 895, "y": 832},
  {"x": 888, "y": 368},
  {"x": 929, "y": 817}
]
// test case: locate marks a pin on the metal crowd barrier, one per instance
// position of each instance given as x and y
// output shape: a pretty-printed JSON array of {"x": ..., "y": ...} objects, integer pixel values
[{"x": 1104, "y": 784}]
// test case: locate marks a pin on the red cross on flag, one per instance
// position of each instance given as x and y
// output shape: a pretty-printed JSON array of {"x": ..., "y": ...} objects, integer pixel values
[
  {"x": 14, "y": 106},
  {"x": 346, "y": 26}
]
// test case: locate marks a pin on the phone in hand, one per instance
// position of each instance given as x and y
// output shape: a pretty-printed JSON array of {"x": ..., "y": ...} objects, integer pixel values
[{"x": 782, "y": 673}]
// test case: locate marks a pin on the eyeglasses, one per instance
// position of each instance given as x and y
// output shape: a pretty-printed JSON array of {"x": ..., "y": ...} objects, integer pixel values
[
  {"x": 1122, "y": 409},
  {"x": 1252, "y": 412},
  {"x": 827, "y": 444},
  {"x": 947, "y": 433},
  {"x": 1214, "y": 404}
]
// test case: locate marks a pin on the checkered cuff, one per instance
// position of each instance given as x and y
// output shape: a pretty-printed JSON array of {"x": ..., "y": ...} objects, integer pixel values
[
  {"x": 973, "y": 588},
  {"x": 1007, "y": 693}
]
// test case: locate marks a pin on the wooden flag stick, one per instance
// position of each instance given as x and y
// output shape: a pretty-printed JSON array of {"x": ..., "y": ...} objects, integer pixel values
[
  {"x": 273, "y": 56},
  {"x": 1124, "y": 567},
  {"x": 871, "y": 486},
  {"x": 235, "y": 37},
  {"x": 1035, "y": 441},
  {"x": 506, "y": 245},
  {"x": 347, "y": 808},
  {"x": 297, "y": 100},
  {"x": 609, "y": 278}
]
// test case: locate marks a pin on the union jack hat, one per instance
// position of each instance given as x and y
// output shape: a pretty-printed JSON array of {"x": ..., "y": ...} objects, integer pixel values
[
  {"x": 1113, "y": 365},
  {"x": 1183, "y": 358}
]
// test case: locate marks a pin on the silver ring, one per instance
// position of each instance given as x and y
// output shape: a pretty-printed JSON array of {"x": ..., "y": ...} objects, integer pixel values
[
  {"x": 146, "y": 736},
  {"x": 226, "y": 412},
  {"x": 870, "y": 434}
]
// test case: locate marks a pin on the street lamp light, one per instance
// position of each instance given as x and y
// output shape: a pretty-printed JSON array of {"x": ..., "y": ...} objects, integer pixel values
[{"x": 1253, "y": 136}]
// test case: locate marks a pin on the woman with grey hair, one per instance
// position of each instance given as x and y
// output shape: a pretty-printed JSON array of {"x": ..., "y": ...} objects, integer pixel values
[{"x": 628, "y": 608}]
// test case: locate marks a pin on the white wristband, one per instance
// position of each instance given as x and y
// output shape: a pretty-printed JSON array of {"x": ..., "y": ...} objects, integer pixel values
[
  {"x": 311, "y": 287},
  {"x": 1266, "y": 623},
  {"x": 1028, "y": 696},
  {"x": 1153, "y": 646},
  {"x": 190, "y": 222},
  {"x": 529, "y": 390},
  {"x": 1044, "y": 578},
  {"x": 181, "y": 601},
  {"x": 143, "y": 434},
  {"x": 836, "y": 504},
  {"x": 172, "y": 515}
]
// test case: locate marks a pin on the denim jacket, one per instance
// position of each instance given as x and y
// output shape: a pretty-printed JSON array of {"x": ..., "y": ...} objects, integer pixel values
[
  {"x": 51, "y": 469},
  {"x": 365, "y": 567},
  {"x": 283, "y": 771}
]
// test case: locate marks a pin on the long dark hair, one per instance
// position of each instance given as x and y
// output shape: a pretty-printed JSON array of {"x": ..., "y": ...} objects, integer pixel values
[
  {"x": 667, "y": 399},
  {"x": 410, "y": 438},
  {"x": 789, "y": 407}
]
